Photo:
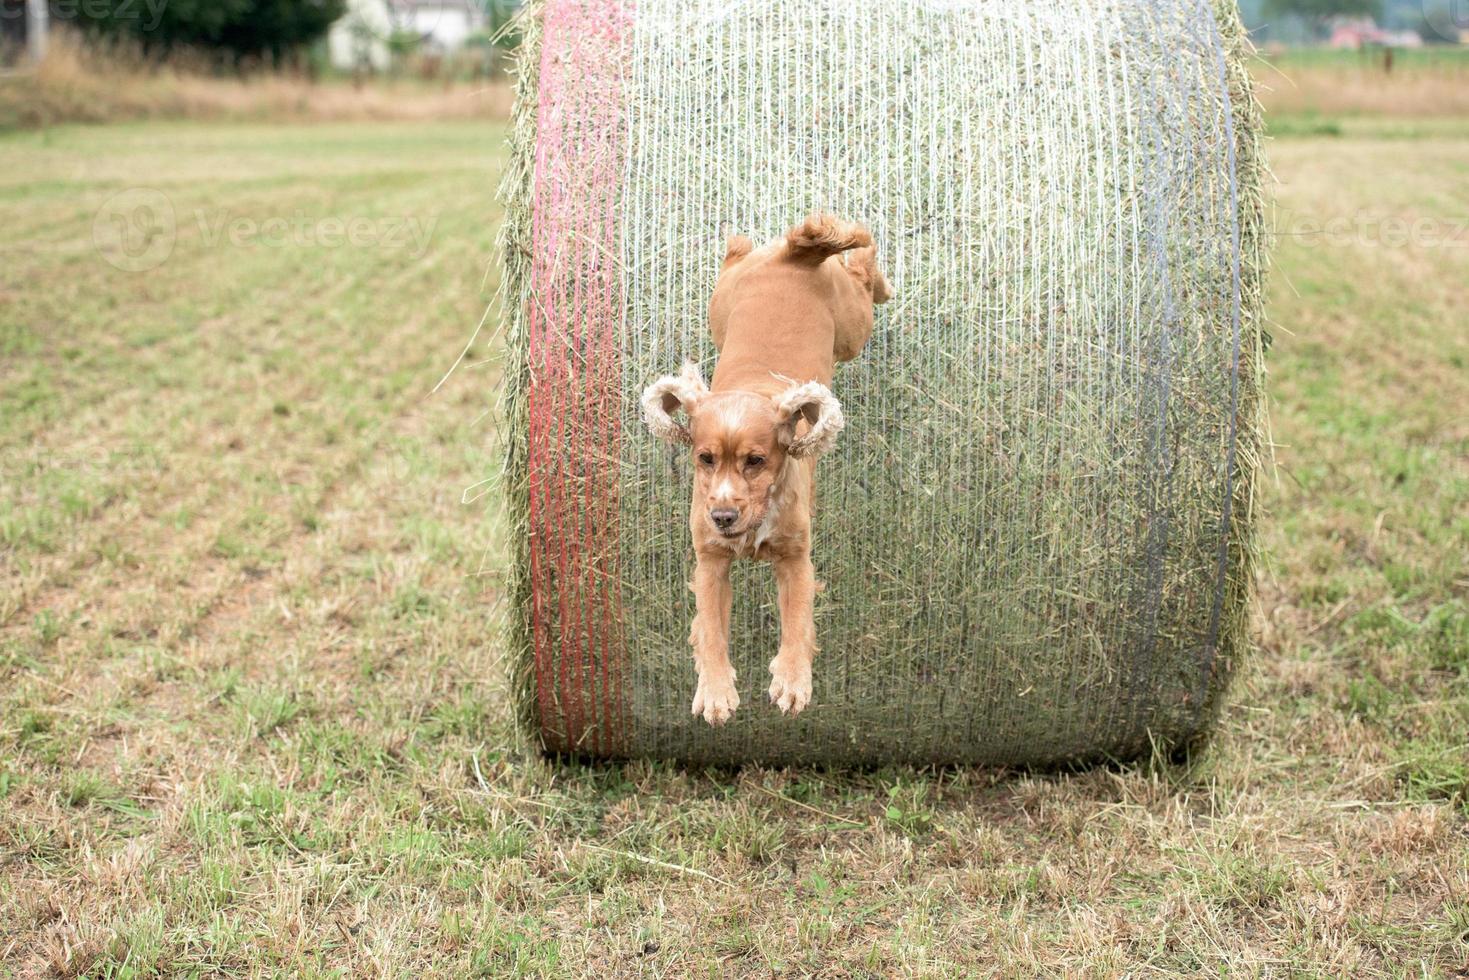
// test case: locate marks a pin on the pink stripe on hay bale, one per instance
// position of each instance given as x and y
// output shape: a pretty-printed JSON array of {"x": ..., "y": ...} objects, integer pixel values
[{"x": 575, "y": 404}]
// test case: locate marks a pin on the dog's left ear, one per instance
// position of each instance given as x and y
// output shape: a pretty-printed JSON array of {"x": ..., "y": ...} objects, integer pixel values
[
  {"x": 669, "y": 394},
  {"x": 819, "y": 407}
]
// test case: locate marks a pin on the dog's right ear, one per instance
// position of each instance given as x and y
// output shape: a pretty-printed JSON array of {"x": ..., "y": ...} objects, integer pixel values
[
  {"x": 814, "y": 403},
  {"x": 669, "y": 394}
]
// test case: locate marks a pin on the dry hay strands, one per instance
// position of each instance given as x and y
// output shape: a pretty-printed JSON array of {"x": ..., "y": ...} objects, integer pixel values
[{"x": 1035, "y": 533}]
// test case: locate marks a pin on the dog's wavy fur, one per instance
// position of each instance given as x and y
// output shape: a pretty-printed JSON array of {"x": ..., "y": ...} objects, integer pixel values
[
  {"x": 782, "y": 316},
  {"x": 667, "y": 394}
]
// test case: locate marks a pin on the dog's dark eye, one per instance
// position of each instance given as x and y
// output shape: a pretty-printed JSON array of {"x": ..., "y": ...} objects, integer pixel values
[
  {"x": 707, "y": 459},
  {"x": 754, "y": 462}
]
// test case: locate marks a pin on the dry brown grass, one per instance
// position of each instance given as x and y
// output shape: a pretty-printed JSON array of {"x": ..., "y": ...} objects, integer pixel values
[
  {"x": 82, "y": 82},
  {"x": 1346, "y": 83},
  {"x": 252, "y": 722}
]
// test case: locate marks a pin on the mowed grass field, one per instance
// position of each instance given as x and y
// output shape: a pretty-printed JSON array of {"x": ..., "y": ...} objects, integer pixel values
[{"x": 252, "y": 720}]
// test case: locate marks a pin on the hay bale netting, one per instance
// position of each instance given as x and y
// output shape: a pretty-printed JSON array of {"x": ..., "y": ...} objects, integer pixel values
[{"x": 1035, "y": 531}]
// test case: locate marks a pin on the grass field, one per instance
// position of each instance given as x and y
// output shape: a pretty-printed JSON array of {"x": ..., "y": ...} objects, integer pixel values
[
  {"x": 94, "y": 82},
  {"x": 1434, "y": 58},
  {"x": 252, "y": 721},
  {"x": 1320, "y": 82}
]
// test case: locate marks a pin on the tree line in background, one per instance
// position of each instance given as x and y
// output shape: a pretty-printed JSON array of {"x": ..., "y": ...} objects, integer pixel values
[
  {"x": 271, "y": 31},
  {"x": 240, "y": 31},
  {"x": 264, "y": 29}
]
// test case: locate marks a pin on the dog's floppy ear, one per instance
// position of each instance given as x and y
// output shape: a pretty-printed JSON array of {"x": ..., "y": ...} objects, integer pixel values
[
  {"x": 818, "y": 406},
  {"x": 669, "y": 394}
]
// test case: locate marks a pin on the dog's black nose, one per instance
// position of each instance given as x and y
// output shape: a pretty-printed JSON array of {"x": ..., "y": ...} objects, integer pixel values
[{"x": 724, "y": 519}]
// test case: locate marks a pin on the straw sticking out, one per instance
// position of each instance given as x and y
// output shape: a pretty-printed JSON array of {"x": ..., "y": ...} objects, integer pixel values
[{"x": 1035, "y": 529}]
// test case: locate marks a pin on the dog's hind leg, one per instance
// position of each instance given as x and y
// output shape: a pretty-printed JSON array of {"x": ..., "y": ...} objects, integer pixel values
[
  {"x": 715, "y": 698},
  {"x": 862, "y": 267},
  {"x": 854, "y": 309},
  {"x": 736, "y": 247},
  {"x": 790, "y": 671}
]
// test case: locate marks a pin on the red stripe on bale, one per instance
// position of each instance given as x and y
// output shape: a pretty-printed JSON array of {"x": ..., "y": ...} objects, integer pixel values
[{"x": 575, "y": 396}]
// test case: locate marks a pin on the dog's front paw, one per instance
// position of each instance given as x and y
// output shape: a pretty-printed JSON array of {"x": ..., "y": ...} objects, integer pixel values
[
  {"x": 790, "y": 684},
  {"x": 716, "y": 698}
]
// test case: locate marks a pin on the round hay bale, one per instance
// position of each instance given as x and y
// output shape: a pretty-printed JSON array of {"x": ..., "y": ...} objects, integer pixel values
[{"x": 1035, "y": 532}]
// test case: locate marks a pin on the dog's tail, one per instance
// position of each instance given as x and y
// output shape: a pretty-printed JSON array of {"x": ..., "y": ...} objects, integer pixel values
[{"x": 823, "y": 235}]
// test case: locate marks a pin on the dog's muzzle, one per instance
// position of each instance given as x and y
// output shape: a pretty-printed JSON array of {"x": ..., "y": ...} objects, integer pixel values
[{"x": 724, "y": 519}]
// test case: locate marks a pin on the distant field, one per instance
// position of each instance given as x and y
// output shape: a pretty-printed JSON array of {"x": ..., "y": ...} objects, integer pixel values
[
  {"x": 86, "y": 83},
  {"x": 252, "y": 721},
  {"x": 1429, "y": 81},
  {"x": 1445, "y": 58},
  {"x": 81, "y": 83}
]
